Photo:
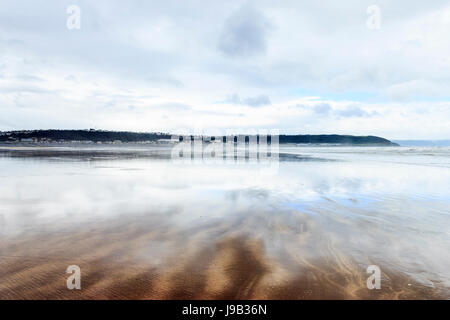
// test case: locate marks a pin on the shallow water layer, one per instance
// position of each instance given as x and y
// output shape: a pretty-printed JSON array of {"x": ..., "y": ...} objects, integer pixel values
[{"x": 304, "y": 225}]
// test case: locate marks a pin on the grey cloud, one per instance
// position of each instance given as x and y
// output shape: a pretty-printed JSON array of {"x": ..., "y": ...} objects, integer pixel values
[
  {"x": 322, "y": 108},
  {"x": 233, "y": 99},
  {"x": 244, "y": 33},
  {"x": 255, "y": 101},
  {"x": 352, "y": 111},
  {"x": 197, "y": 51}
]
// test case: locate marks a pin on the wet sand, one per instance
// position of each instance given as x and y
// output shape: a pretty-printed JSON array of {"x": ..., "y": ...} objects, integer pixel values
[
  {"x": 235, "y": 266},
  {"x": 147, "y": 228}
]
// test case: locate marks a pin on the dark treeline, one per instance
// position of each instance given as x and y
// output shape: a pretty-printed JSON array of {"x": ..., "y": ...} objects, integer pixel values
[
  {"x": 126, "y": 136},
  {"x": 334, "y": 138},
  {"x": 84, "y": 135}
]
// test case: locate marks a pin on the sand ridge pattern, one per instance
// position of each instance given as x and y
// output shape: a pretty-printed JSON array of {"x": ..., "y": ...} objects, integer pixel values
[{"x": 235, "y": 266}]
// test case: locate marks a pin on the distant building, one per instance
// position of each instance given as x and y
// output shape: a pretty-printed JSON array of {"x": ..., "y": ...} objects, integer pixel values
[{"x": 166, "y": 140}]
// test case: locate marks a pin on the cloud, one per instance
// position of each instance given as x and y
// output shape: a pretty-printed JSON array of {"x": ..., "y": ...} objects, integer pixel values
[
  {"x": 150, "y": 55},
  {"x": 158, "y": 80},
  {"x": 322, "y": 108},
  {"x": 31, "y": 78},
  {"x": 71, "y": 77},
  {"x": 173, "y": 106},
  {"x": 24, "y": 89},
  {"x": 352, "y": 111},
  {"x": 419, "y": 89},
  {"x": 244, "y": 33},
  {"x": 255, "y": 101}
]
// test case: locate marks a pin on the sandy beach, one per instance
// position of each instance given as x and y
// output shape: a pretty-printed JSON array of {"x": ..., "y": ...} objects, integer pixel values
[
  {"x": 236, "y": 267},
  {"x": 150, "y": 228}
]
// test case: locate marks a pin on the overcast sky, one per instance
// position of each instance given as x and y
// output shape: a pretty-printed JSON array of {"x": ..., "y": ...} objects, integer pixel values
[{"x": 297, "y": 66}]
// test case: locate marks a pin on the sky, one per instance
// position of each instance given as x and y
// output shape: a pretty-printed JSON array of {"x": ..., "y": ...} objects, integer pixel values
[{"x": 302, "y": 67}]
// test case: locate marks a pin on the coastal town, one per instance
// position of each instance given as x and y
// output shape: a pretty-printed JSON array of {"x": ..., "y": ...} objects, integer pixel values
[{"x": 87, "y": 136}]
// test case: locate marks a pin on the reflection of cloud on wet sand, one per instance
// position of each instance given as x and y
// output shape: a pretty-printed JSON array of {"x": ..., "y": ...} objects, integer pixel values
[
  {"x": 141, "y": 261},
  {"x": 153, "y": 229}
]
